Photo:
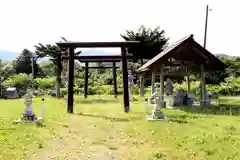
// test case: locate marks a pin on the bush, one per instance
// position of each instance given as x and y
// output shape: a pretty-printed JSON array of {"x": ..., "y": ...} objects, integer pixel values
[
  {"x": 99, "y": 84},
  {"x": 231, "y": 86},
  {"x": 194, "y": 87},
  {"x": 45, "y": 83},
  {"x": 21, "y": 81},
  {"x": 63, "y": 91}
]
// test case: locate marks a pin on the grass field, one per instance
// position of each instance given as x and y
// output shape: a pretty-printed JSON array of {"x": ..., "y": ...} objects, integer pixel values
[{"x": 100, "y": 130}]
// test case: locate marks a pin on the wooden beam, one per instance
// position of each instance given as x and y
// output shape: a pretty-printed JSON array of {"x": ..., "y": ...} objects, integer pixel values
[
  {"x": 70, "y": 80},
  {"x": 86, "y": 81},
  {"x": 102, "y": 67},
  {"x": 115, "y": 80},
  {"x": 97, "y": 58},
  {"x": 125, "y": 80},
  {"x": 97, "y": 44}
]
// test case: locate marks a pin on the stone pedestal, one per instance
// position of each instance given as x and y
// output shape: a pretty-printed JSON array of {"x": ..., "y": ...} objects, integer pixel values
[
  {"x": 28, "y": 114},
  {"x": 157, "y": 113}
]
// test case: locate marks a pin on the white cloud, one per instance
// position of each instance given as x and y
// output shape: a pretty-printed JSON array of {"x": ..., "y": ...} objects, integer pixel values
[{"x": 27, "y": 22}]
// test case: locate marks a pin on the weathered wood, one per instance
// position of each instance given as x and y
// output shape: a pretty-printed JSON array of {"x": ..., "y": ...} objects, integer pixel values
[
  {"x": 108, "y": 58},
  {"x": 188, "y": 83},
  {"x": 153, "y": 82},
  {"x": 203, "y": 86},
  {"x": 97, "y": 44},
  {"x": 186, "y": 49},
  {"x": 162, "y": 83},
  {"x": 70, "y": 80},
  {"x": 102, "y": 67},
  {"x": 125, "y": 80},
  {"x": 115, "y": 80},
  {"x": 142, "y": 81},
  {"x": 123, "y": 58},
  {"x": 86, "y": 81}
]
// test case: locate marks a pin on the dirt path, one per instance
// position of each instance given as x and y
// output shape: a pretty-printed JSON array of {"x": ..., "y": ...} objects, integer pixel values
[{"x": 71, "y": 143}]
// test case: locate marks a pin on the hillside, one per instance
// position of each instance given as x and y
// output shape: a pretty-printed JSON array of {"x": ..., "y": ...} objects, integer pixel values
[{"x": 226, "y": 56}]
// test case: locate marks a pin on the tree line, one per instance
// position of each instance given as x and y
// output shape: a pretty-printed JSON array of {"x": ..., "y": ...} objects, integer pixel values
[{"x": 153, "y": 40}]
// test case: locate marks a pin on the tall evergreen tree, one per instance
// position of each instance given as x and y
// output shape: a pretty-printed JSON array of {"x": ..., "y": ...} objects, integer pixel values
[
  {"x": 24, "y": 63},
  {"x": 153, "y": 41}
]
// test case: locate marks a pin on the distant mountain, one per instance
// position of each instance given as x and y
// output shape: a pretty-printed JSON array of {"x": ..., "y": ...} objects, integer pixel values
[
  {"x": 7, "y": 56},
  {"x": 96, "y": 52},
  {"x": 226, "y": 56}
]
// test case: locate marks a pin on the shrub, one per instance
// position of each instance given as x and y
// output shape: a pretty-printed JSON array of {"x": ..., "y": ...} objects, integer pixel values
[
  {"x": 194, "y": 87},
  {"x": 21, "y": 81},
  {"x": 45, "y": 83},
  {"x": 231, "y": 86}
]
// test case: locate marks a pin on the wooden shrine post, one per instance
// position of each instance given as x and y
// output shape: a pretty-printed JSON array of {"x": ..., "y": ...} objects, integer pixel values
[
  {"x": 162, "y": 83},
  {"x": 115, "y": 80},
  {"x": 142, "y": 92},
  {"x": 153, "y": 82},
  {"x": 125, "y": 80},
  {"x": 86, "y": 80},
  {"x": 70, "y": 80},
  {"x": 203, "y": 86},
  {"x": 188, "y": 83}
]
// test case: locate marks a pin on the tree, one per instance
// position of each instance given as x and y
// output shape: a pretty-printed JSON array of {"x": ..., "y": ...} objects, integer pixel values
[
  {"x": 24, "y": 63},
  {"x": 54, "y": 52},
  {"x": 7, "y": 69},
  {"x": 47, "y": 68},
  {"x": 21, "y": 81},
  {"x": 152, "y": 42}
]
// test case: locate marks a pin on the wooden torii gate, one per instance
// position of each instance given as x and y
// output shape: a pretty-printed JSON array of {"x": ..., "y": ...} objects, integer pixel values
[
  {"x": 92, "y": 60},
  {"x": 71, "y": 46}
]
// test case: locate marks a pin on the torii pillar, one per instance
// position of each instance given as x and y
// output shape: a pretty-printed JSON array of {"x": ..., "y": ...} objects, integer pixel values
[{"x": 70, "y": 80}]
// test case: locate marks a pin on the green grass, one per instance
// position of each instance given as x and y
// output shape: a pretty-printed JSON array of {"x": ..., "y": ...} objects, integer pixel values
[{"x": 100, "y": 130}]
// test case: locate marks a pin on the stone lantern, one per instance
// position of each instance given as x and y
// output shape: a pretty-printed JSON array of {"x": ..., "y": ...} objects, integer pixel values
[{"x": 28, "y": 113}]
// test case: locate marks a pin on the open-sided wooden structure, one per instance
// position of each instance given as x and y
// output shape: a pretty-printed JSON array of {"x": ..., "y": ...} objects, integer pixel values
[
  {"x": 71, "y": 46},
  {"x": 183, "y": 57}
]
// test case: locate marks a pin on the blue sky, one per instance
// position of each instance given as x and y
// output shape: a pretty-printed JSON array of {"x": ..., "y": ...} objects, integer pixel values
[
  {"x": 28, "y": 22},
  {"x": 6, "y": 55}
]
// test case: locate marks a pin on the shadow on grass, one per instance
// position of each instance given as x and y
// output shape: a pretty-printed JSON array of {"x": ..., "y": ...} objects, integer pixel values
[
  {"x": 221, "y": 109},
  {"x": 97, "y": 101},
  {"x": 114, "y": 119},
  {"x": 181, "y": 119}
]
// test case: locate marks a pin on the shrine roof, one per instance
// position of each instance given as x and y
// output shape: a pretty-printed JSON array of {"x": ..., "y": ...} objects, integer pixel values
[{"x": 185, "y": 50}]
